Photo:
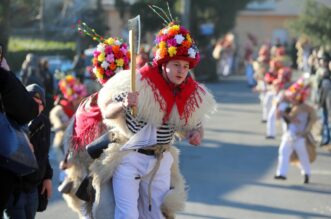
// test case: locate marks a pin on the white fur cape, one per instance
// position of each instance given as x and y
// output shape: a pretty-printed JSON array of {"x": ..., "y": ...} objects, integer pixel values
[{"x": 149, "y": 109}]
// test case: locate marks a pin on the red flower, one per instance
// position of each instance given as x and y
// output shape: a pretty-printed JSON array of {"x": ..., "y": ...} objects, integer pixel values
[{"x": 181, "y": 50}]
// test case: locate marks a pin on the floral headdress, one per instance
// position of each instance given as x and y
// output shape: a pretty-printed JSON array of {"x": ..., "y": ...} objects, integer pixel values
[
  {"x": 111, "y": 56},
  {"x": 285, "y": 74},
  {"x": 299, "y": 90},
  {"x": 174, "y": 42},
  {"x": 71, "y": 88}
]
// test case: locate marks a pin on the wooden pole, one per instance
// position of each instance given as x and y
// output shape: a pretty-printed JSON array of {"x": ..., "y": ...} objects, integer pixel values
[{"x": 133, "y": 66}]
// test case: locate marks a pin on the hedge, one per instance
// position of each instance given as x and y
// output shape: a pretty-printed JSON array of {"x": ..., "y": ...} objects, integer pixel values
[{"x": 18, "y": 48}]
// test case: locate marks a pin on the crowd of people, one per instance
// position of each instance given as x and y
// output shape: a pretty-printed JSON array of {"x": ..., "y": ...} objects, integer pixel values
[{"x": 298, "y": 95}]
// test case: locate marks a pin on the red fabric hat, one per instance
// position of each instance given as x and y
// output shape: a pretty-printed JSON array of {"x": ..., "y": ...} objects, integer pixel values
[{"x": 175, "y": 42}]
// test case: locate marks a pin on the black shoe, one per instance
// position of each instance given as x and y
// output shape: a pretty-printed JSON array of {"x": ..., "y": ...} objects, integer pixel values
[
  {"x": 269, "y": 137},
  {"x": 263, "y": 121},
  {"x": 306, "y": 180},
  {"x": 280, "y": 177}
]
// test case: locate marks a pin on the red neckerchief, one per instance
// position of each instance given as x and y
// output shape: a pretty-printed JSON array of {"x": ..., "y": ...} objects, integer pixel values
[
  {"x": 87, "y": 126},
  {"x": 185, "y": 95},
  {"x": 67, "y": 107}
]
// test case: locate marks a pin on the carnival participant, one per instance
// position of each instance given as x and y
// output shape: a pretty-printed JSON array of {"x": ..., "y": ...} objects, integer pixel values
[
  {"x": 269, "y": 92},
  {"x": 141, "y": 163},
  {"x": 224, "y": 52},
  {"x": 261, "y": 67},
  {"x": 297, "y": 138},
  {"x": 282, "y": 81},
  {"x": 72, "y": 93},
  {"x": 110, "y": 57}
]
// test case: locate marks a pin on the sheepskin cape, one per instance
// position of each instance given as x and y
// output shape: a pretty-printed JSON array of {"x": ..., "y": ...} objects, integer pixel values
[
  {"x": 150, "y": 100},
  {"x": 309, "y": 138}
]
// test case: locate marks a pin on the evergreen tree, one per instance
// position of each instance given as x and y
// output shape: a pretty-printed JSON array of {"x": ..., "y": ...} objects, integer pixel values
[
  {"x": 314, "y": 23},
  {"x": 221, "y": 13}
]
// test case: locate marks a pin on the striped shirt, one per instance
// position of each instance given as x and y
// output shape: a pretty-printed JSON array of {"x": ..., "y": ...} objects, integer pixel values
[{"x": 165, "y": 132}]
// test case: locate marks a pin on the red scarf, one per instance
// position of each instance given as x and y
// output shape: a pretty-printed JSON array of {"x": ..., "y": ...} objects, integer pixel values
[
  {"x": 87, "y": 126},
  {"x": 67, "y": 107},
  {"x": 185, "y": 95}
]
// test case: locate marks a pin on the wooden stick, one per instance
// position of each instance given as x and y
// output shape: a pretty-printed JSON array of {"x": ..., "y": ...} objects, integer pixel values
[{"x": 133, "y": 66}]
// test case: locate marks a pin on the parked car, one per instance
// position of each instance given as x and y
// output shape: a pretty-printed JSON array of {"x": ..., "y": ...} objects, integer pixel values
[{"x": 60, "y": 63}]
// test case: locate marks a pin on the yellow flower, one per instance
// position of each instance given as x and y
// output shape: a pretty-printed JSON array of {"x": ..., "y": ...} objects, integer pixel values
[
  {"x": 188, "y": 37},
  {"x": 99, "y": 74},
  {"x": 101, "y": 57},
  {"x": 162, "y": 44},
  {"x": 110, "y": 41},
  {"x": 175, "y": 27},
  {"x": 172, "y": 51},
  {"x": 119, "y": 62},
  {"x": 69, "y": 91}
]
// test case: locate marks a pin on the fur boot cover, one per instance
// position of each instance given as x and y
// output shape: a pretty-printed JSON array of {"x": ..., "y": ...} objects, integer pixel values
[{"x": 103, "y": 168}]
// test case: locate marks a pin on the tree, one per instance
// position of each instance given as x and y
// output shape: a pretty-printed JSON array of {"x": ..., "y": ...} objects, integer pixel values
[
  {"x": 221, "y": 13},
  {"x": 149, "y": 20},
  {"x": 314, "y": 23},
  {"x": 4, "y": 22}
]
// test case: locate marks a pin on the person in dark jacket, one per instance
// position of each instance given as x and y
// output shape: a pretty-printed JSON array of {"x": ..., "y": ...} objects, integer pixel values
[
  {"x": 20, "y": 107},
  {"x": 324, "y": 92},
  {"x": 23, "y": 203}
]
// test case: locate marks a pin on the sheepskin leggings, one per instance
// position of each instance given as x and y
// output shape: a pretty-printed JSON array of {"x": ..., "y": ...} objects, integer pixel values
[
  {"x": 131, "y": 183},
  {"x": 286, "y": 148}
]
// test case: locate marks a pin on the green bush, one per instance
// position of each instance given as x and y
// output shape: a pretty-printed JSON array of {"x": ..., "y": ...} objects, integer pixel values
[{"x": 18, "y": 48}]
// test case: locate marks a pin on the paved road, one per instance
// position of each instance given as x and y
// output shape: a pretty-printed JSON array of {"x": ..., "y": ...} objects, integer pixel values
[{"x": 231, "y": 175}]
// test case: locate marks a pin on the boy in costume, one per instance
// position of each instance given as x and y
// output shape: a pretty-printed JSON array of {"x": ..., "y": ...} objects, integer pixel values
[
  {"x": 297, "y": 137},
  {"x": 138, "y": 175}
]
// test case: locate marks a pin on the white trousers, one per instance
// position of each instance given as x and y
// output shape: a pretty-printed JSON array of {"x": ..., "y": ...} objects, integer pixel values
[
  {"x": 131, "y": 194},
  {"x": 287, "y": 145},
  {"x": 271, "y": 121},
  {"x": 267, "y": 104}
]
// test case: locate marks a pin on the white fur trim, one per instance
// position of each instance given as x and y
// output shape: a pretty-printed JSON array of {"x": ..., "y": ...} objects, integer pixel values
[{"x": 149, "y": 109}]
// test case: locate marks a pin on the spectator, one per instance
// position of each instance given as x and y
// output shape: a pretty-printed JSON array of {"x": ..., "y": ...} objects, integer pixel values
[
  {"x": 20, "y": 107},
  {"x": 26, "y": 193},
  {"x": 47, "y": 83},
  {"x": 30, "y": 71}
]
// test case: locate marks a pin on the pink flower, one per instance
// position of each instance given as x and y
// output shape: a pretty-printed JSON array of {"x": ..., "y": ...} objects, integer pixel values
[
  {"x": 171, "y": 42},
  {"x": 126, "y": 60},
  {"x": 109, "y": 73},
  {"x": 124, "y": 50},
  {"x": 110, "y": 58},
  {"x": 108, "y": 49},
  {"x": 96, "y": 53}
]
